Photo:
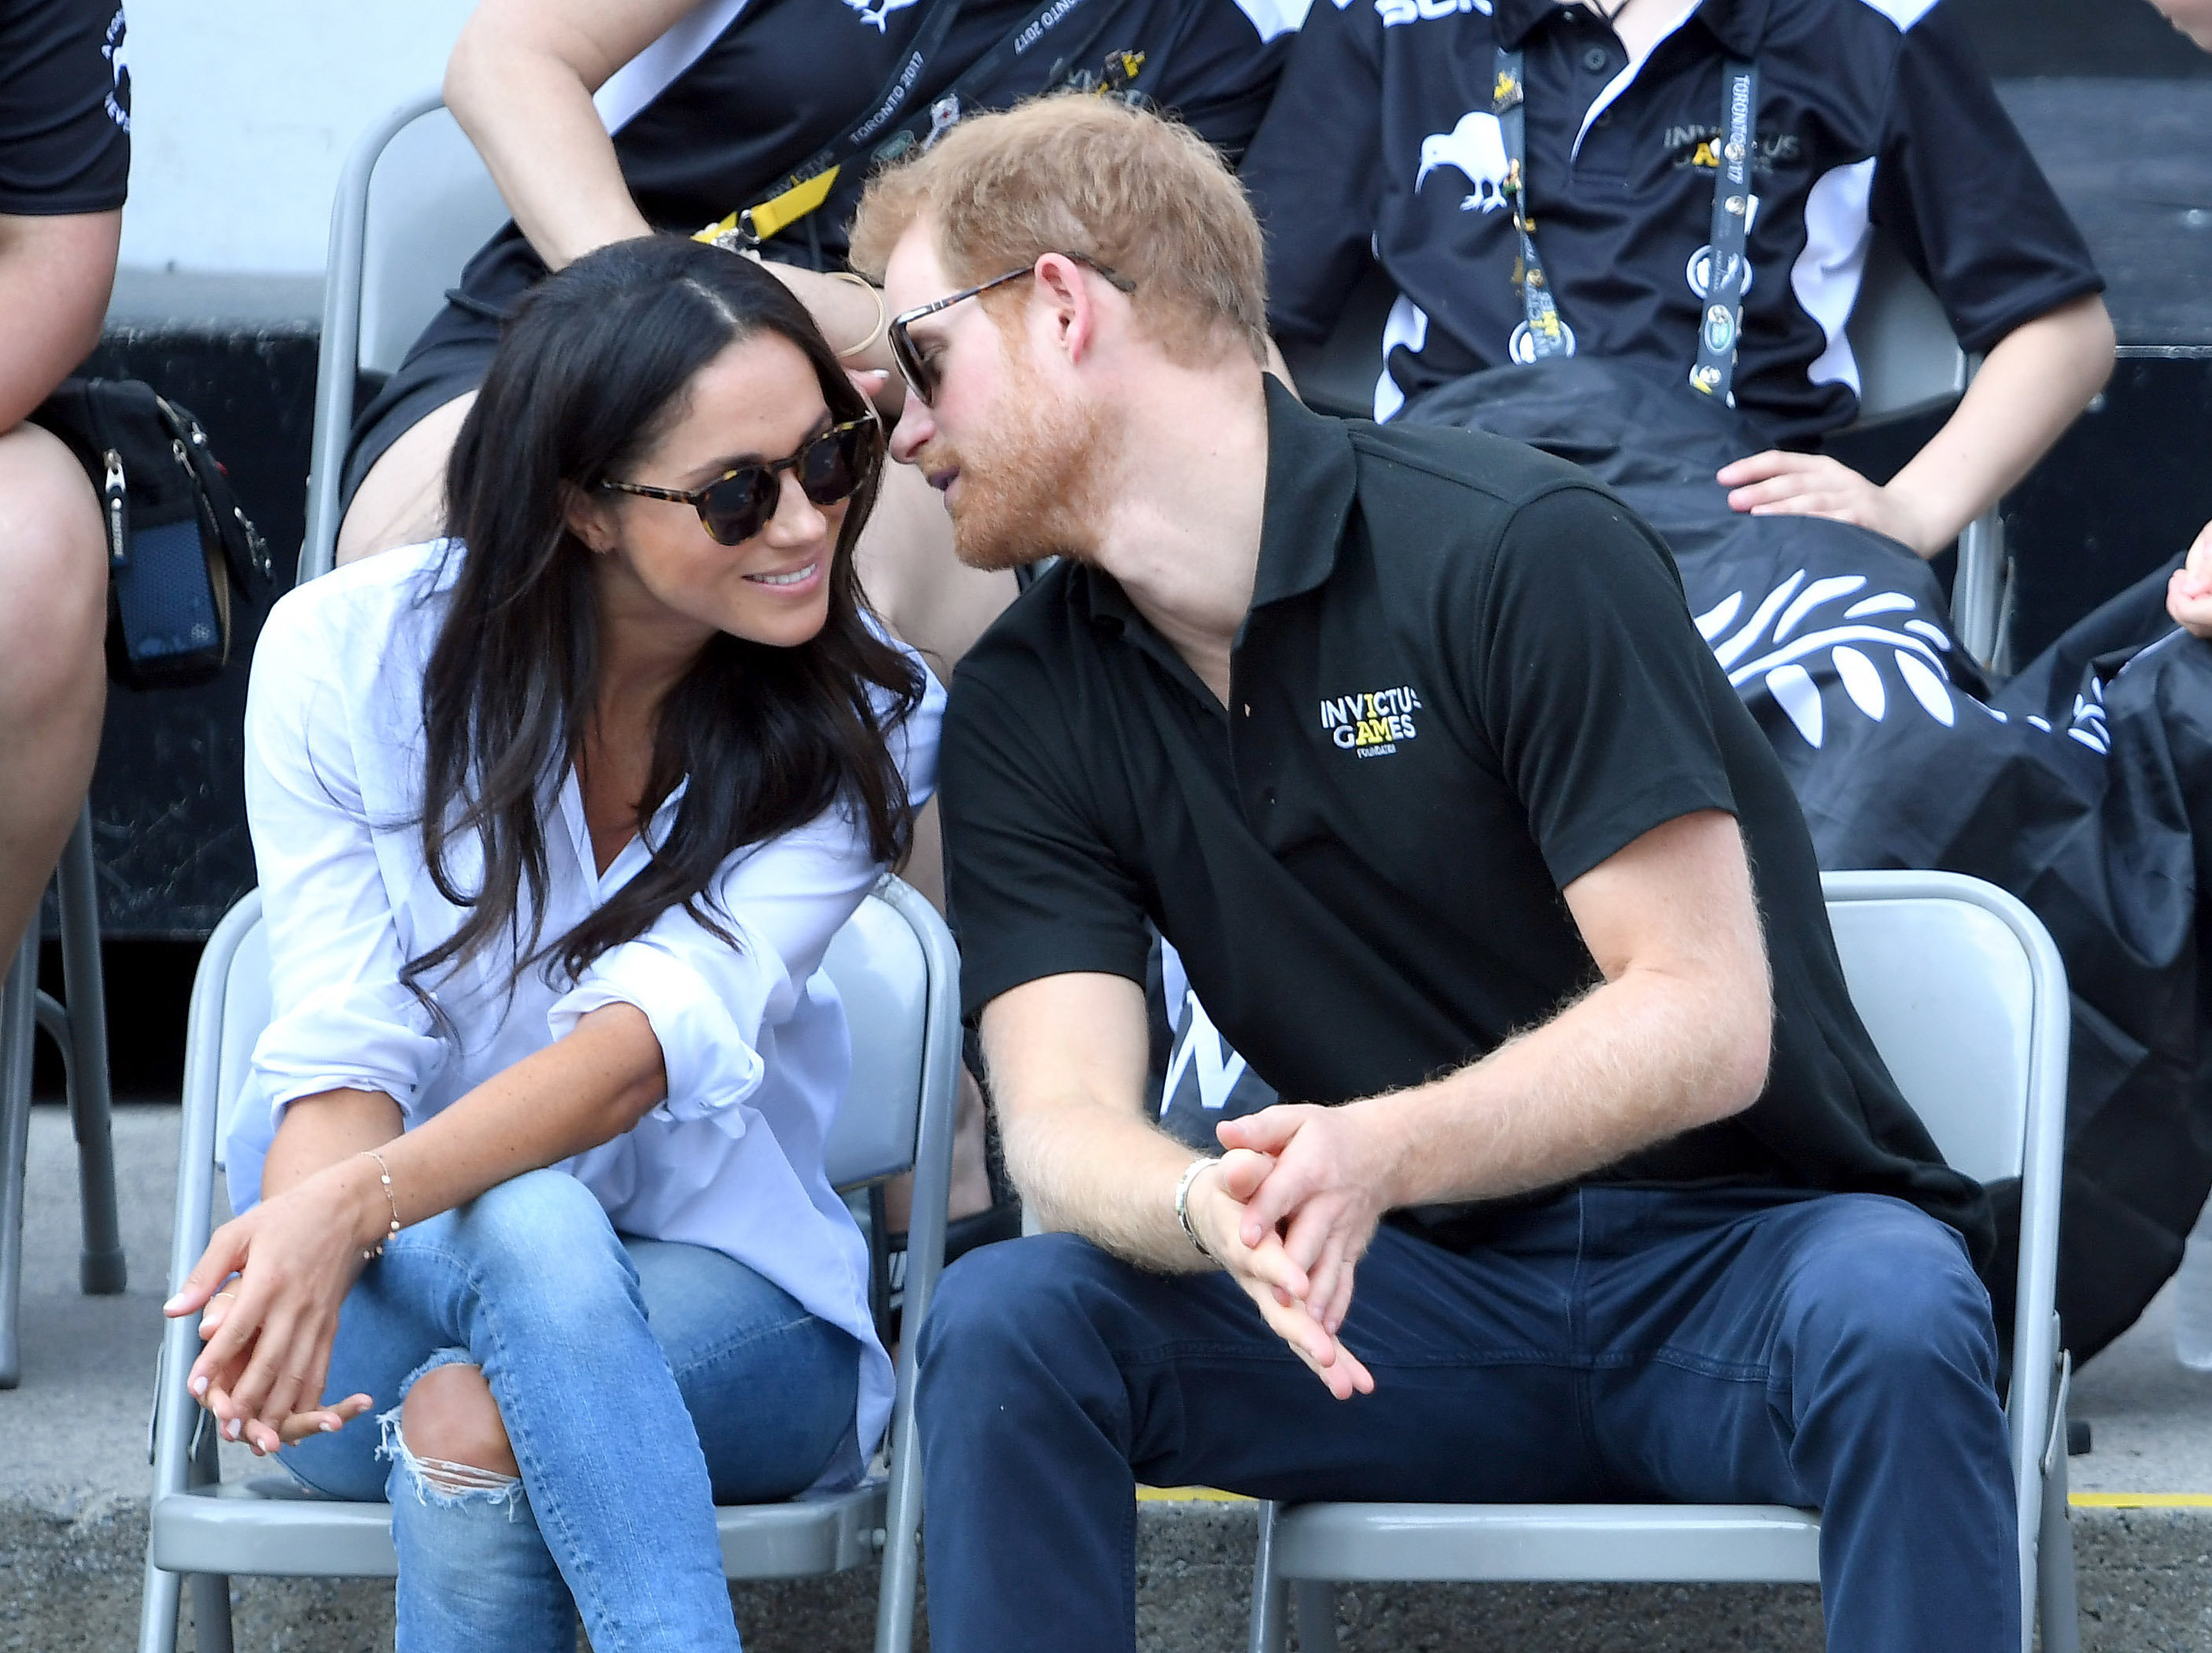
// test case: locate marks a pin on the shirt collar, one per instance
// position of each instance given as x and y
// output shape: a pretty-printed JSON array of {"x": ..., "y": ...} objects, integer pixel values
[
  {"x": 1738, "y": 25},
  {"x": 1311, "y": 478}
]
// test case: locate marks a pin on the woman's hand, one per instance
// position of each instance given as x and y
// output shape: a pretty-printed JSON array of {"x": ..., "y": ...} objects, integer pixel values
[
  {"x": 267, "y": 1330},
  {"x": 2189, "y": 592}
]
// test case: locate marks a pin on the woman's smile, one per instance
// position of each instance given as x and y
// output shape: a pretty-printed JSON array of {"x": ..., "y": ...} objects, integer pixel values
[{"x": 794, "y": 583}]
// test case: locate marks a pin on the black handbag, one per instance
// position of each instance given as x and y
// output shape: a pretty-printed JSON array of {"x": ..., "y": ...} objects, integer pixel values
[{"x": 184, "y": 562}]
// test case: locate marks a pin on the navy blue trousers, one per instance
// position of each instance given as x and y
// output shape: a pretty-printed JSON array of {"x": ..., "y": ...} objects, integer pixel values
[{"x": 1612, "y": 1345}]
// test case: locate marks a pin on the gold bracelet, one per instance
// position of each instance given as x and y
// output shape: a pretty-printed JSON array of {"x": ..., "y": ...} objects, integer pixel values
[
  {"x": 383, "y": 1172},
  {"x": 882, "y": 312}
]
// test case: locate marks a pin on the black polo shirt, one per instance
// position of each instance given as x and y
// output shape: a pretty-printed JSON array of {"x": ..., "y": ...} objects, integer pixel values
[
  {"x": 1467, "y": 677},
  {"x": 1869, "y": 111},
  {"x": 64, "y": 107}
]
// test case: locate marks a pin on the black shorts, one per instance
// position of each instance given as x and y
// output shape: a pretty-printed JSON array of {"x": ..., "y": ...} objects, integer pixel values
[{"x": 450, "y": 358}]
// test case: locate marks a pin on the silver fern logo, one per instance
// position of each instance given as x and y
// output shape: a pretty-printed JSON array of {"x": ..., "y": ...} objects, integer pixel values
[{"x": 1798, "y": 625}]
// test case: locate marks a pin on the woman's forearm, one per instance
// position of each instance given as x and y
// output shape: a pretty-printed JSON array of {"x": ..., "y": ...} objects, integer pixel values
[
  {"x": 2031, "y": 387},
  {"x": 528, "y": 110},
  {"x": 578, "y": 1092},
  {"x": 521, "y": 82}
]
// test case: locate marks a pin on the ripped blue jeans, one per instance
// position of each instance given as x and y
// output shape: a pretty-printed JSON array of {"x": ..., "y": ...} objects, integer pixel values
[{"x": 641, "y": 1382}]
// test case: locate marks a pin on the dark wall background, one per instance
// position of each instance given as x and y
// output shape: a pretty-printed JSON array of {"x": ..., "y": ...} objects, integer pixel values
[{"x": 2023, "y": 38}]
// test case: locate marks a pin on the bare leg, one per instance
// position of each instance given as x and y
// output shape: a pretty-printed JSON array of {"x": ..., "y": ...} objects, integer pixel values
[
  {"x": 53, "y": 677},
  {"x": 450, "y": 1416},
  {"x": 402, "y": 500}
]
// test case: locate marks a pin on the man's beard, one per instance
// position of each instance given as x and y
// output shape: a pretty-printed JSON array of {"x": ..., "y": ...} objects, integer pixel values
[{"x": 1028, "y": 489}]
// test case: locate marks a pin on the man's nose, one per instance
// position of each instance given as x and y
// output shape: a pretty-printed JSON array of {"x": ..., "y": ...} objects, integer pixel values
[{"x": 915, "y": 426}]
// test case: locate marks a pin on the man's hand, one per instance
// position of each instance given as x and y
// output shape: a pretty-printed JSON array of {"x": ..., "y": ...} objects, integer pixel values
[
  {"x": 2189, "y": 593},
  {"x": 1278, "y": 1287},
  {"x": 1319, "y": 1178},
  {"x": 1778, "y": 483}
]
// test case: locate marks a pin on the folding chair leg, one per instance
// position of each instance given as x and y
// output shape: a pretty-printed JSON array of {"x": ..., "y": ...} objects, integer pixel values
[
  {"x": 100, "y": 1269},
  {"x": 1270, "y": 1596},
  {"x": 211, "y": 1612},
  {"x": 1315, "y": 1601},
  {"x": 157, "y": 1611},
  {"x": 18, "y": 1027},
  {"x": 2055, "y": 1601}
]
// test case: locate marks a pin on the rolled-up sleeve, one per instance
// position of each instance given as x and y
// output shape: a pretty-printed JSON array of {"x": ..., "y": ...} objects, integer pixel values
[
  {"x": 343, "y": 1019},
  {"x": 781, "y": 902}
]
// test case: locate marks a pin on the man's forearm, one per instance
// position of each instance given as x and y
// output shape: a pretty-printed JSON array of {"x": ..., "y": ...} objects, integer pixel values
[
  {"x": 1071, "y": 1117},
  {"x": 2031, "y": 387},
  {"x": 1631, "y": 1064},
  {"x": 1105, "y": 1175}
]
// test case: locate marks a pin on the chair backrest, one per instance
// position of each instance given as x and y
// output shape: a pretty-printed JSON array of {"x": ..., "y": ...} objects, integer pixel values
[
  {"x": 1947, "y": 989},
  {"x": 877, "y": 962},
  {"x": 430, "y": 205},
  {"x": 246, "y": 1011},
  {"x": 878, "y": 966},
  {"x": 413, "y": 203},
  {"x": 1909, "y": 359}
]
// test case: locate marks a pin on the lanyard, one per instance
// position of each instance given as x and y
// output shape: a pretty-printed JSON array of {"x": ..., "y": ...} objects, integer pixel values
[
  {"x": 886, "y": 137},
  {"x": 1728, "y": 272},
  {"x": 1543, "y": 333}
]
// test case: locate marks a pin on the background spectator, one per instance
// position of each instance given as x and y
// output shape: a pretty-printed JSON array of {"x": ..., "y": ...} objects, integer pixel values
[{"x": 64, "y": 162}]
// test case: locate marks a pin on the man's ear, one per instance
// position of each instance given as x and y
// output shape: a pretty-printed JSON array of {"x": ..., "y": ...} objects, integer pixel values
[
  {"x": 590, "y": 517},
  {"x": 1075, "y": 318}
]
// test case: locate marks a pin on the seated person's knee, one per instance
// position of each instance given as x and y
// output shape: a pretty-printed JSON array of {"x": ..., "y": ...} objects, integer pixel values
[
  {"x": 57, "y": 558},
  {"x": 450, "y": 1417}
]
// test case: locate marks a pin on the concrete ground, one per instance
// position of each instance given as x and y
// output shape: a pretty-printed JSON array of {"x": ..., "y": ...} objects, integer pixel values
[{"x": 73, "y": 1479}]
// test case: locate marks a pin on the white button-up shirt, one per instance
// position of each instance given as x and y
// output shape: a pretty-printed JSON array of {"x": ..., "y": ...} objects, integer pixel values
[{"x": 753, "y": 1036}]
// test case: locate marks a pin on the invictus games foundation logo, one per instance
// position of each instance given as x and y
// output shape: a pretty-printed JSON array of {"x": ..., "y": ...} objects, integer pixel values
[{"x": 1371, "y": 725}]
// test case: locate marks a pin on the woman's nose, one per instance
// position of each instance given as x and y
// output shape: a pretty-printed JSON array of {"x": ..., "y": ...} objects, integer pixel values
[{"x": 797, "y": 519}]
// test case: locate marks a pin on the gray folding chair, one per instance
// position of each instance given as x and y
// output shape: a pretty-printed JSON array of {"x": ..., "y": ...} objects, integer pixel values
[
  {"x": 413, "y": 204},
  {"x": 80, "y": 1027},
  {"x": 1908, "y": 362},
  {"x": 896, "y": 967},
  {"x": 1965, "y": 997}
]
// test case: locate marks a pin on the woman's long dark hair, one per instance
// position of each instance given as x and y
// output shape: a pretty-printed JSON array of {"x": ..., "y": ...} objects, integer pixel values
[{"x": 590, "y": 374}]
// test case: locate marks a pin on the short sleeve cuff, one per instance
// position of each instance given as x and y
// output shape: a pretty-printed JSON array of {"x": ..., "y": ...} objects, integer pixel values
[
  {"x": 710, "y": 1061},
  {"x": 987, "y": 971},
  {"x": 1596, "y": 840}
]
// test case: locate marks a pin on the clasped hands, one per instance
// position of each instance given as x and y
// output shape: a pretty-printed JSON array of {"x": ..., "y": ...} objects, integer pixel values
[
  {"x": 1288, "y": 1212},
  {"x": 267, "y": 1289}
]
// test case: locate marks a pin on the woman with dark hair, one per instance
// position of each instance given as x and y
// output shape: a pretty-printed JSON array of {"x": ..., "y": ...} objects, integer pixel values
[{"x": 554, "y": 820}]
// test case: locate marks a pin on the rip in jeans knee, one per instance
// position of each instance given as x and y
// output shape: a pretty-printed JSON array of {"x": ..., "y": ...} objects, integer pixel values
[{"x": 440, "y": 1482}]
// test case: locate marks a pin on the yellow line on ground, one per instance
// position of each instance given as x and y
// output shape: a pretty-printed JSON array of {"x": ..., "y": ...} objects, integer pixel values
[{"x": 1188, "y": 1495}]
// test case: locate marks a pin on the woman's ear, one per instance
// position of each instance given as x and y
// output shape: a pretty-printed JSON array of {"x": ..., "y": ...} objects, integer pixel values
[{"x": 590, "y": 517}]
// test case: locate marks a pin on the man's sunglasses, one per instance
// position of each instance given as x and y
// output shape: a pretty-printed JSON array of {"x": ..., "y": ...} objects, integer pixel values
[
  {"x": 920, "y": 374},
  {"x": 737, "y": 504}
]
